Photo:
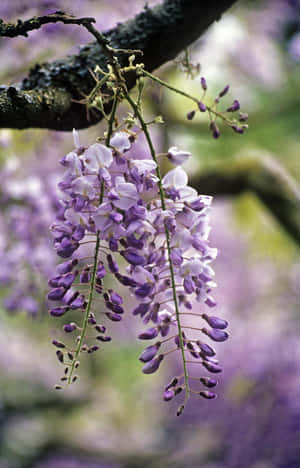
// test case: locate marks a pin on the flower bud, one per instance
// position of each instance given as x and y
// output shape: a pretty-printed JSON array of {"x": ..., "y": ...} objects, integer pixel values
[
  {"x": 104, "y": 339},
  {"x": 243, "y": 117},
  {"x": 203, "y": 83},
  {"x": 168, "y": 395},
  {"x": 211, "y": 367},
  {"x": 100, "y": 271},
  {"x": 85, "y": 276},
  {"x": 114, "y": 307},
  {"x": 58, "y": 311},
  {"x": 210, "y": 302},
  {"x": 208, "y": 382},
  {"x": 60, "y": 356},
  {"x": 115, "y": 298},
  {"x": 67, "y": 280},
  {"x": 215, "y": 334},
  {"x": 206, "y": 349},
  {"x": 69, "y": 327},
  {"x": 234, "y": 107},
  {"x": 78, "y": 233},
  {"x": 112, "y": 264},
  {"x": 153, "y": 365},
  {"x": 215, "y": 130},
  {"x": 144, "y": 290},
  {"x": 113, "y": 244},
  {"x": 149, "y": 352},
  {"x": 141, "y": 309},
  {"x": 224, "y": 91},
  {"x": 114, "y": 317},
  {"x": 215, "y": 322},
  {"x": 93, "y": 349},
  {"x": 180, "y": 410},
  {"x": 202, "y": 106},
  {"x": 237, "y": 129},
  {"x": 67, "y": 266},
  {"x": 58, "y": 344},
  {"x": 190, "y": 115},
  {"x": 192, "y": 350},
  {"x": 208, "y": 395},
  {"x": 133, "y": 257},
  {"x": 78, "y": 303},
  {"x": 56, "y": 294},
  {"x": 173, "y": 383},
  {"x": 148, "y": 334},
  {"x": 126, "y": 280}
]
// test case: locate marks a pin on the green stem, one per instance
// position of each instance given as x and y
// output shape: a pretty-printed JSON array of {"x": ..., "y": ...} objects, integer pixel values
[
  {"x": 88, "y": 308},
  {"x": 189, "y": 96},
  {"x": 112, "y": 118},
  {"x": 171, "y": 268}
]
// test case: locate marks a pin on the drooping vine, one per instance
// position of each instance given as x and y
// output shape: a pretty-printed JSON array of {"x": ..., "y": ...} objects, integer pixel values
[{"x": 117, "y": 207}]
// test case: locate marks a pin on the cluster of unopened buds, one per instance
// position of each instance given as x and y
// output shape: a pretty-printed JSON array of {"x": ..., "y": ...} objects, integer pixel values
[
  {"x": 117, "y": 208},
  {"x": 238, "y": 125}
]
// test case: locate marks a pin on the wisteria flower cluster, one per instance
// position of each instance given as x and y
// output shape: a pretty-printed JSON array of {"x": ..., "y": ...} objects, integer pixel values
[
  {"x": 115, "y": 208},
  {"x": 27, "y": 258}
]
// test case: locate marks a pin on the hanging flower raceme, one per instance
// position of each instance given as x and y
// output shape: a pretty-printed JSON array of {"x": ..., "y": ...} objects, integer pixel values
[
  {"x": 117, "y": 208},
  {"x": 29, "y": 200},
  {"x": 177, "y": 281}
]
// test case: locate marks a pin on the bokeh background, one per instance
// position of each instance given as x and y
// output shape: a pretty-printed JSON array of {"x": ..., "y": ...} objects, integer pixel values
[{"x": 115, "y": 417}]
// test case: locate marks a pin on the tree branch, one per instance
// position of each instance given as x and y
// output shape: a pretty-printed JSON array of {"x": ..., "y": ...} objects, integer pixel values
[
  {"x": 46, "y": 98},
  {"x": 22, "y": 28},
  {"x": 263, "y": 177}
]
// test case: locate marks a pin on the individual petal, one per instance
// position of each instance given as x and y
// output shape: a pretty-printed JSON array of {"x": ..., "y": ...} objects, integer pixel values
[
  {"x": 97, "y": 156},
  {"x": 120, "y": 141},
  {"x": 176, "y": 256},
  {"x": 188, "y": 284},
  {"x": 141, "y": 309},
  {"x": 176, "y": 156},
  {"x": 143, "y": 165},
  {"x": 127, "y": 192},
  {"x": 144, "y": 290},
  {"x": 176, "y": 178},
  {"x": 76, "y": 138},
  {"x": 56, "y": 294},
  {"x": 133, "y": 257},
  {"x": 67, "y": 266}
]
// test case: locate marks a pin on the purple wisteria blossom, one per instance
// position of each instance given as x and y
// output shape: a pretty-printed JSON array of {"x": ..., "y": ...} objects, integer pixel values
[
  {"x": 29, "y": 200},
  {"x": 117, "y": 208}
]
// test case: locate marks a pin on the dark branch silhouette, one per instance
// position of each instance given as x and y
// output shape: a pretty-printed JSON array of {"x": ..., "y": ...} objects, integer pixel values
[
  {"x": 46, "y": 97},
  {"x": 264, "y": 177}
]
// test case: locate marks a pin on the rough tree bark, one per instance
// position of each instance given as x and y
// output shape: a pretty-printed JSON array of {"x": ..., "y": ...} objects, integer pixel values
[{"x": 45, "y": 98}]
